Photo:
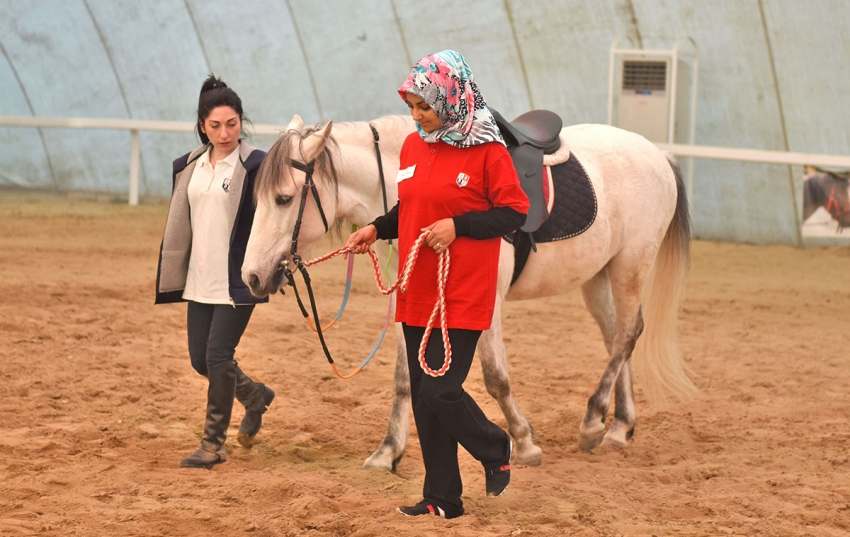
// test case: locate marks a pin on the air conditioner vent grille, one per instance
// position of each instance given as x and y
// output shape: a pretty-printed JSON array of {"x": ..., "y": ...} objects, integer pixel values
[{"x": 644, "y": 75}]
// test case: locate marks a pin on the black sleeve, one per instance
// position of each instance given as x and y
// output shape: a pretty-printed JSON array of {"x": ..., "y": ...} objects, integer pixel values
[
  {"x": 387, "y": 225},
  {"x": 494, "y": 222}
]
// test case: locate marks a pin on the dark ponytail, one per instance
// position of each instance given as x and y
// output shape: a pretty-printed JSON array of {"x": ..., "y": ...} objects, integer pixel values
[{"x": 215, "y": 93}]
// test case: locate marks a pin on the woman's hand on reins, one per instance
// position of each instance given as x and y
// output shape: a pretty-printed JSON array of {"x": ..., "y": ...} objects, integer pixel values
[
  {"x": 360, "y": 241},
  {"x": 441, "y": 234}
]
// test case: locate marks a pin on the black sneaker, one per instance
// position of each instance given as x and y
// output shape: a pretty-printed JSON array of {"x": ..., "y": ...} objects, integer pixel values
[
  {"x": 498, "y": 478},
  {"x": 427, "y": 508}
]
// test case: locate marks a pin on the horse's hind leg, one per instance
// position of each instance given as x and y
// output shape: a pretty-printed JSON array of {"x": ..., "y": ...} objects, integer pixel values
[
  {"x": 625, "y": 291},
  {"x": 623, "y": 428},
  {"x": 600, "y": 303},
  {"x": 392, "y": 448},
  {"x": 491, "y": 350},
  {"x": 597, "y": 297}
]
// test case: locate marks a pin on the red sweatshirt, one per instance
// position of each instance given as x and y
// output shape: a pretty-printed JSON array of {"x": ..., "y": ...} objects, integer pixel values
[{"x": 439, "y": 181}]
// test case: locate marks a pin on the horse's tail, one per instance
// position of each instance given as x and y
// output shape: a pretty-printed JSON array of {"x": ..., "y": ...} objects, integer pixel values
[{"x": 659, "y": 365}]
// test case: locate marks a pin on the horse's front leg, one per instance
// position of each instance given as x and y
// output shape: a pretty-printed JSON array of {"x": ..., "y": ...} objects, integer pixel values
[
  {"x": 494, "y": 365},
  {"x": 391, "y": 450}
]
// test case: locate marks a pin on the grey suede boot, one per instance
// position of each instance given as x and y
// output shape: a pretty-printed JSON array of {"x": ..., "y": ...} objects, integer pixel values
[
  {"x": 255, "y": 397},
  {"x": 220, "y": 395}
]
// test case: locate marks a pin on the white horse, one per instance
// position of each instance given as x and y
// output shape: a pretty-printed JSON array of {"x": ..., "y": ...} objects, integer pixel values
[{"x": 630, "y": 264}]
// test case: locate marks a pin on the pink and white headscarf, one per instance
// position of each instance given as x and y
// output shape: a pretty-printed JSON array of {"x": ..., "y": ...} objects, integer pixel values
[{"x": 444, "y": 81}]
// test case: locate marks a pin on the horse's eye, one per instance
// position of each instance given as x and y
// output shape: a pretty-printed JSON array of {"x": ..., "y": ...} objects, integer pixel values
[{"x": 283, "y": 200}]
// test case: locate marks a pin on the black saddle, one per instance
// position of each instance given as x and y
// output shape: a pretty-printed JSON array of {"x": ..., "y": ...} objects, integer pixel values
[
  {"x": 529, "y": 137},
  {"x": 538, "y": 128}
]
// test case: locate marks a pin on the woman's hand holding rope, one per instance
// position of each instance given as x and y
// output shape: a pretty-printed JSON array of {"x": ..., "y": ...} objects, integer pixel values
[
  {"x": 360, "y": 241},
  {"x": 440, "y": 234}
]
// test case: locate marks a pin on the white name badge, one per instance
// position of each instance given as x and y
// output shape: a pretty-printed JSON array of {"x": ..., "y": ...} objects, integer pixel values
[{"x": 406, "y": 173}]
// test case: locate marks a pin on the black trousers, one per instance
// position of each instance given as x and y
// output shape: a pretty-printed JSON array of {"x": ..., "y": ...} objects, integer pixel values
[
  {"x": 214, "y": 331},
  {"x": 446, "y": 415}
]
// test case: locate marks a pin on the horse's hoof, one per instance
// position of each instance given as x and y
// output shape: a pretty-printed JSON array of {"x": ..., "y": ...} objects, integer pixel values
[
  {"x": 381, "y": 460},
  {"x": 614, "y": 443},
  {"x": 591, "y": 438},
  {"x": 618, "y": 435},
  {"x": 530, "y": 456}
]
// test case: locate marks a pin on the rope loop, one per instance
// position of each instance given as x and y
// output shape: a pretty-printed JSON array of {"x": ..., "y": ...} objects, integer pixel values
[{"x": 443, "y": 262}]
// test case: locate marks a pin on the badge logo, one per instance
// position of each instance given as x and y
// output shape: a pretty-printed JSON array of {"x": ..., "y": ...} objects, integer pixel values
[
  {"x": 226, "y": 184},
  {"x": 462, "y": 179}
]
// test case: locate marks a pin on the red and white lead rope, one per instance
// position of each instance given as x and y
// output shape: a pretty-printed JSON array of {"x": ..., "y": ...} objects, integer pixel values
[{"x": 443, "y": 260}]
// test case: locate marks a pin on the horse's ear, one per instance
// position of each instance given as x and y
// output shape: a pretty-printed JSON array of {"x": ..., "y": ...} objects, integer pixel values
[
  {"x": 313, "y": 144},
  {"x": 296, "y": 124}
]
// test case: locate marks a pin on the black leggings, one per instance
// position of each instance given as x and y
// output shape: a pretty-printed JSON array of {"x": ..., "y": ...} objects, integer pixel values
[
  {"x": 214, "y": 331},
  {"x": 446, "y": 415}
]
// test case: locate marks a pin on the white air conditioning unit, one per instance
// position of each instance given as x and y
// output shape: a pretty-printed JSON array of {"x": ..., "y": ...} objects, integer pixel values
[
  {"x": 645, "y": 98},
  {"x": 654, "y": 90}
]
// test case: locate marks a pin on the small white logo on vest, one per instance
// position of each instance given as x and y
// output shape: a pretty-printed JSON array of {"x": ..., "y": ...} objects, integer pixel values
[
  {"x": 226, "y": 185},
  {"x": 462, "y": 179}
]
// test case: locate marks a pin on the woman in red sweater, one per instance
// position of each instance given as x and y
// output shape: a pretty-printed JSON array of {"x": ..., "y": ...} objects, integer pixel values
[{"x": 456, "y": 182}]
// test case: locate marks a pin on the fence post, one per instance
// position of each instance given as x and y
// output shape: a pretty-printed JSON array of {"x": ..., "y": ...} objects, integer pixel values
[{"x": 134, "y": 166}]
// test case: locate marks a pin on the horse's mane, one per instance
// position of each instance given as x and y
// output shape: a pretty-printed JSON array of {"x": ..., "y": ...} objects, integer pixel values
[{"x": 277, "y": 164}]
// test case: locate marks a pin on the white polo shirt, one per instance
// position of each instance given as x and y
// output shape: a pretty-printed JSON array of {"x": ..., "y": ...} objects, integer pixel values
[{"x": 208, "y": 191}]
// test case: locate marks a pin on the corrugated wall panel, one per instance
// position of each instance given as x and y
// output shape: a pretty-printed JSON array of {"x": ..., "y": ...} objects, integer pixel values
[
  {"x": 773, "y": 75},
  {"x": 260, "y": 57},
  {"x": 355, "y": 54},
  {"x": 160, "y": 65},
  {"x": 811, "y": 41},
  {"x": 64, "y": 71},
  {"x": 566, "y": 51},
  {"x": 23, "y": 160},
  {"x": 481, "y": 30},
  {"x": 737, "y": 106}
]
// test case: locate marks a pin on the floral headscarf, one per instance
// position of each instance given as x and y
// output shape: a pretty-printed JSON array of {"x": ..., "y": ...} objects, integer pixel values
[{"x": 444, "y": 81}]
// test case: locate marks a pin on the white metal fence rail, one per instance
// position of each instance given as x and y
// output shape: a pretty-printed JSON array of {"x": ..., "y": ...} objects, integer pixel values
[
  {"x": 136, "y": 125},
  {"x": 132, "y": 125}
]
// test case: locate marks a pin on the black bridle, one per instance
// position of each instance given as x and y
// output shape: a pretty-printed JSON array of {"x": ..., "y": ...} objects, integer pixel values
[{"x": 310, "y": 186}]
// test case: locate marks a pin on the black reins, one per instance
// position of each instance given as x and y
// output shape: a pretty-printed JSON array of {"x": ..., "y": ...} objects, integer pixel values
[
  {"x": 380, "y": 166},
  {"x": 310, "y": 186}
]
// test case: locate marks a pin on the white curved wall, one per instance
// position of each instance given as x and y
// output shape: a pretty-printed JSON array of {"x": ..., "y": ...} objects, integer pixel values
[{"x": 773, "y": 75}]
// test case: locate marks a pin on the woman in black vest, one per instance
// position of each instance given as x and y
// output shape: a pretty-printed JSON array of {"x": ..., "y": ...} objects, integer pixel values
[{"x": 209, "y": 221}]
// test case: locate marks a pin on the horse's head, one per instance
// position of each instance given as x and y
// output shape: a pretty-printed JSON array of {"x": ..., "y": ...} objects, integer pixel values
[
  {"x": 829, "y": 190},
  {"x": 835, "y": 197},
  {"x": 284, "y": 208}
]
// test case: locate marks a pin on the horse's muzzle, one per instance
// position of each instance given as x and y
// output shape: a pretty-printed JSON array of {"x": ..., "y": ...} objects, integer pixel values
[{"x": 277, "y": 281}]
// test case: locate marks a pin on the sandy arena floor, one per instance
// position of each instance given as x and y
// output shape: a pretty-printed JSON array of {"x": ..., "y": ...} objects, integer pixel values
[{"x": 98, "y": 403}]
